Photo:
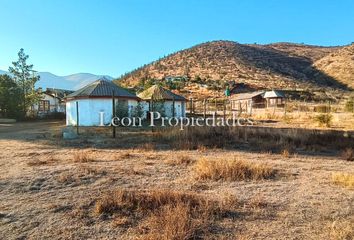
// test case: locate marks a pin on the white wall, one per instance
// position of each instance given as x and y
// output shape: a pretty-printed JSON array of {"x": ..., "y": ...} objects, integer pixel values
[
  {"x": 89, "y": 111},
  {"x": 53, "y": 102},
  {"x": 180, "y": 108}
]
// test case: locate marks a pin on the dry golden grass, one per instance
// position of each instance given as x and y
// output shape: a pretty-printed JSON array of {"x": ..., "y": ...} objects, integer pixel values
[
  {"x": 285, "y": 153},
  {"x": 232, "y": 170},
  {"x": 145, "y": 200},
  {"x": 83, "y": 156},
  {"x": 122, "y": 156},
  {"x": 36, "y": 162},
  {"x": 174, "y": 222},
  {"x": 343, "y": 179},
  {"x": 164, "y": 214},
  {"x": 181, "y": 159},
  {"x": 341, "y": 230}
]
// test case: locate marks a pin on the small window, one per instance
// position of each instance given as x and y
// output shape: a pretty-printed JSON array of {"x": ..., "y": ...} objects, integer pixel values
[{"x": 44, "y": 106}]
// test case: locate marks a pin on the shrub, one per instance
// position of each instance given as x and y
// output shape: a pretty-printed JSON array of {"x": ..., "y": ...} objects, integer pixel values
[
  {"x": 164, "y": 214},
  {"x": 144, "y": 201},
  {"x": 324, "y": 119},
  {"x": 343, "y": 179},
  {"x": 232, "y": 170},
  {"x": 349, "y": 105},
  {"x": 181, "y": 160},
  {"x": 174, "y": 222},
  {"x": 348, "y": 154}
]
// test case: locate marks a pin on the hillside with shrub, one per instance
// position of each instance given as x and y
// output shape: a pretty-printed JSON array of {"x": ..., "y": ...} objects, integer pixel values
[{"x": 210, "y": 66}]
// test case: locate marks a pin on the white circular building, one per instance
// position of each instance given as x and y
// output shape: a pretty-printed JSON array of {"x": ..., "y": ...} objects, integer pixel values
[{"x": 92, "y": 105}]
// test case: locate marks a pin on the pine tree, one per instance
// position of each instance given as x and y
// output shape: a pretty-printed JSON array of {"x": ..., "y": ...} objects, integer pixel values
[{"x": 23, "y": 74}]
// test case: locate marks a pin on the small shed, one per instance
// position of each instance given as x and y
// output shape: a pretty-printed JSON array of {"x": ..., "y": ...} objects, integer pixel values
[
  {"x": 159, "y": 99},
  {"x": 274, "y": 98},
  {"x": 247, "y": 101},
  {"x": 94, "y": 103}
]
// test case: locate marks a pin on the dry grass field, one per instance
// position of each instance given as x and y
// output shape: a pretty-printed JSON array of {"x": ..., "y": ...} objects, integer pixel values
[{"x": 143, "y": 186}]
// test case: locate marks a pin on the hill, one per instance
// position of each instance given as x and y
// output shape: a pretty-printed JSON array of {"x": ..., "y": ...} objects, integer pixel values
[
  {"x": 339, "y": 65},
  {"x": 280, "y": 65},
  {"x": 70, "y": 82}
]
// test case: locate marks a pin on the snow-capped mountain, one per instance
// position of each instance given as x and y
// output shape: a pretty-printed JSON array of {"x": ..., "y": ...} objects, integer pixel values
[{"x": 70, "y": 82}]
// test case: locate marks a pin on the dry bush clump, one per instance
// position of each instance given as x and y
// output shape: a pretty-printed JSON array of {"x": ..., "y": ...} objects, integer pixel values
[
  {"x": 348, "y": 154},
  {"x": 182, "y": 159},
  {"x": 341, "y": 230},
  {"x": 343, "y": 179},
  {"x": 324, "y": 119},
  {"x": 232, "y": 170},
  {"x": 174, "y": 222},
  {"x": 130, "y": 200},
  {"x": 163, "y": 214},
  {"x": 83, "y": 156}
]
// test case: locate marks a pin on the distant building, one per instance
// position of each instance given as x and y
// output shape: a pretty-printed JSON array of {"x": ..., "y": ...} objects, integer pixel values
[
  {"x": 274, "y": 98},
  {"x": 94, "y": 102},
  {"x": 259, "y": 99},
  {"x": 50, "y": 103},
  {"x": 159, "y": 99}
]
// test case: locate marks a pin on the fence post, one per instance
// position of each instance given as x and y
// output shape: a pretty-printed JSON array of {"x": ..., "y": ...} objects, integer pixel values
[
  {"x": 216, "y": 108},
  {"x": 113, "y": 115},
  {"x": 173, "y": 107},
  {"x": 77, "y": 117},
  {"x": 204, "y": 102}
]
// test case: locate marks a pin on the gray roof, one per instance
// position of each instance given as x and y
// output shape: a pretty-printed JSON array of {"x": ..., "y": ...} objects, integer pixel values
[
  {"x": 102, "y": 88},
  {"x": 251, "y": 95},
  {"x": 159, "y": 93},
  {"x": 273, "y": 94}
]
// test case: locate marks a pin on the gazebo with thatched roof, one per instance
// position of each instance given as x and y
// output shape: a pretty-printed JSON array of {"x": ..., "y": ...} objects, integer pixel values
[{"x": 159, "y": 99}]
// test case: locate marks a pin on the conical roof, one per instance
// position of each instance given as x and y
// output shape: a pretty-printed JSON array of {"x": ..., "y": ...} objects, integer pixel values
[
  {"x": 159, "y": 93},
  {"x": 101, "y": 88}
]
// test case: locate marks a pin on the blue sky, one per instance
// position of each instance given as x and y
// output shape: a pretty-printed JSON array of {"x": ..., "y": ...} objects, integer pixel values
[{"x": 115, "y": 36}]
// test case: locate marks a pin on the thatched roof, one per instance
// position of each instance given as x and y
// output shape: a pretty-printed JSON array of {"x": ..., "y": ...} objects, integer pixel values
[
  {"x": 101, "y": 88},
  {"x": 159, "y": 93}
]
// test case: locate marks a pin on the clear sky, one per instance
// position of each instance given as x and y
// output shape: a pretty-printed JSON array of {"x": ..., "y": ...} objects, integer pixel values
[{"x": 115, "y": 36}]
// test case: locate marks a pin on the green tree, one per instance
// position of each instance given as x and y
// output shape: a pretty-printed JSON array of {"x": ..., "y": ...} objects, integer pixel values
[
  {"x": 10, "y": 103},
  {"x": 23, "y": 74},
  {"x": 138, "y": 110}
]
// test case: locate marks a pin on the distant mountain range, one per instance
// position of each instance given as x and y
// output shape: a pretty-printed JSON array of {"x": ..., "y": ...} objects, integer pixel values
[{"x": 70, "y": 82}]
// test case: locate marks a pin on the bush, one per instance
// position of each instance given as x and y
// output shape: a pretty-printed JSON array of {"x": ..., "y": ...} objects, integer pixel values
[
  {"x": 348, "y": 154},
  {"x": 232, "y": 170},
  {"x": 324, "y": 119},
  {"x": 349, "y": 105}
]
